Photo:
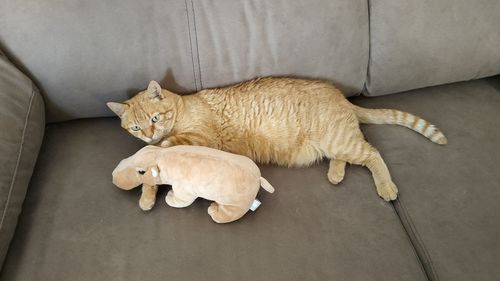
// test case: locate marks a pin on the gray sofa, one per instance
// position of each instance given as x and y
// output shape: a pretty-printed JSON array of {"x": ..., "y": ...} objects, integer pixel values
[{"x": 62, "y": 219}]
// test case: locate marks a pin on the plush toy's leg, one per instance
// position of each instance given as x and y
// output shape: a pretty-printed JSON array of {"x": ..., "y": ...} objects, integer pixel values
[
  {"x": 148, "y": 197},
  {"x": 179, "y": 199},
  {"x": 336, "y": 171},
  {"x": 225, "y": 213}
]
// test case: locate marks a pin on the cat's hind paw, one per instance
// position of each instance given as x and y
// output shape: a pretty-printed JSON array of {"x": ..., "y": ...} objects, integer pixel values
[
  {"x": 336, "y": 176},
  {"x": 336, "y": 171},
  {"x": 388, "y": 191}
]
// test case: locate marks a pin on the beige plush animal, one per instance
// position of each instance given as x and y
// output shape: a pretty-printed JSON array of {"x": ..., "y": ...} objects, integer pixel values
[{"x": 231, "y": 180}]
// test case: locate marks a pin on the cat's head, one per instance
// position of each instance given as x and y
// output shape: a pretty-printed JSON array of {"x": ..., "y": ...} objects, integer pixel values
[{"x": 150, "y": 115}]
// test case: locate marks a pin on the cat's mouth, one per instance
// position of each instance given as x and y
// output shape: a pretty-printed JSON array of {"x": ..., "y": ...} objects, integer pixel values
[{"x": 151, "y": 140}]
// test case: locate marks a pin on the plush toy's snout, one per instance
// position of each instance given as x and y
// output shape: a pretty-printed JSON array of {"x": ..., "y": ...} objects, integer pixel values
[
  {"x": 127, "y": 175},
  {"x": 127, "y": 178}
]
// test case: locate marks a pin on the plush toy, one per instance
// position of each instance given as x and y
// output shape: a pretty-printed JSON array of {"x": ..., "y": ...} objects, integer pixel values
[{"x": 231, "y": 180}]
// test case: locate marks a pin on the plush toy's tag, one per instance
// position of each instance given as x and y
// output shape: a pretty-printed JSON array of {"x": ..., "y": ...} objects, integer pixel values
[{"x": 256, "y": 203}]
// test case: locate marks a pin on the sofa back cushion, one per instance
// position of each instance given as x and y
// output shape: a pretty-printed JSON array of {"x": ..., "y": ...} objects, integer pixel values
[
  {"x": 417, "y": 43},
  {"x": 84, "y": 54},
  {"x": 22, "y": 125}
]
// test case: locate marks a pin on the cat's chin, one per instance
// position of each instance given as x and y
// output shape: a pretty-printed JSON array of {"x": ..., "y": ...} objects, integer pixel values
[{"x": 151, "y": 141}]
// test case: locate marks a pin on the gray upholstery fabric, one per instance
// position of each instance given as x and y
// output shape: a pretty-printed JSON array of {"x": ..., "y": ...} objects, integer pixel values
[
  {"x": 416, "y": 43},
  {"x": 238, "y": 40},
  {"x": 449, "y": 195},
  {"x": 76, "y": 225},
  {"x": 86, "y": 53},
  {"x": 22, "y": 124}
]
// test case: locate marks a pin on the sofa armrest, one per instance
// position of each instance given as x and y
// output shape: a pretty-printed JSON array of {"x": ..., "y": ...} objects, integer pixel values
[{"x": 22, "y": 124}]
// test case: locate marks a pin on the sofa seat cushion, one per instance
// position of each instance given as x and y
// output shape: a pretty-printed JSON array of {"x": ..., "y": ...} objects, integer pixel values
[
  {"x": 449, "y": 195},
  {"x": 76, "y": 225}
]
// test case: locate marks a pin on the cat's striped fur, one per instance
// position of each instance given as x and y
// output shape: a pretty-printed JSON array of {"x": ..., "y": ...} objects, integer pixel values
[
  {"x": 408, "y": 120},
  {"x": 291, "y": 122}
]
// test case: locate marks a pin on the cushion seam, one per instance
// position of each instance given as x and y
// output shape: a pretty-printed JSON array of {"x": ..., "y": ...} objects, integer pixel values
[
  {"x": 418, "y": 237},
  {"x": 417, "y": 241},
  {"x": 414, "y": 250},
  {"x": 196, "y": 42},
  {"x": 14, "y": 175},
  {"x": 368, "y": 61},
  {"x": 191, "y": 45}
]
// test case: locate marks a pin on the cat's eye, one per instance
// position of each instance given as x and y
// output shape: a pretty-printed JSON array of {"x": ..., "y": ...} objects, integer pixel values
[
  {"x": 135, "y": 128},
  {"x": 155, "y": 118}
]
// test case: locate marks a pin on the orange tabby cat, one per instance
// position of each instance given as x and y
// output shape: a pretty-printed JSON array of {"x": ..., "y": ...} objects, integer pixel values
[{"x": 290, "y": 122}]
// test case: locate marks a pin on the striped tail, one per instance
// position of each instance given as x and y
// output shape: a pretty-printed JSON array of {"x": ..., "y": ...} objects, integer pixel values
[{"x": 392, "y": 116}]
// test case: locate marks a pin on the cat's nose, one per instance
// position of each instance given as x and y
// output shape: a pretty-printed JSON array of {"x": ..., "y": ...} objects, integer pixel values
[{"x": 148, "y": 132}]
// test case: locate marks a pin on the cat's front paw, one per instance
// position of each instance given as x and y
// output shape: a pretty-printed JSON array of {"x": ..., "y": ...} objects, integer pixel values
[
  {"x": 388, "y": 191},
  {"x": 165, "y": 143}
]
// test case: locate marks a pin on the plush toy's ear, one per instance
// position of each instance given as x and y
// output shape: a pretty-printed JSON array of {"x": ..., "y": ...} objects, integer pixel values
[
  {"x": 155, "y": 172},
  {"x": 151, "y": 176},
  {"x": 154, "y": 90},
  {"x": 117, "y": 108}
]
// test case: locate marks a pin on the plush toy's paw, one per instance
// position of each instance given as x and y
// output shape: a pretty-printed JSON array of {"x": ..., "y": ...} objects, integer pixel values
[
  {"x": 213, "y": 209},
  {"x": 216, "y": 214},
  {"x": 148, "y": 197},
  {"x": 178, "y": 202},
  {"x": 388, "y": 191},
  {"x": 146, "y": 204},
  {"x": 225, "y": 213},
  {"x": 170, "y": 199}
]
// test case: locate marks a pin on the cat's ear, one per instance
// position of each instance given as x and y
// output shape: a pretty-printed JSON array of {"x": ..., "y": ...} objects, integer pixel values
[
  {"x": 117, "y": 108},
  {"x": 154, "y": 90}
]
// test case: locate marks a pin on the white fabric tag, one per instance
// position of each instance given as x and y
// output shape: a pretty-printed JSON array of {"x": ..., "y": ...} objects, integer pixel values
[{"x": 256, "y": 203}]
